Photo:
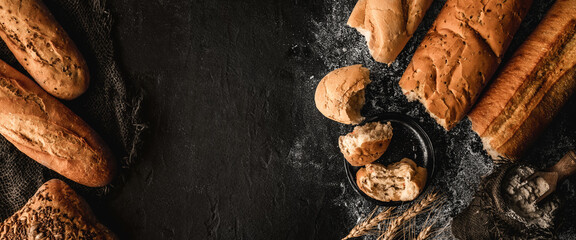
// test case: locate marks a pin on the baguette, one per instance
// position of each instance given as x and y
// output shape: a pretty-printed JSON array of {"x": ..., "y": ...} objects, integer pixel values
[
  {"x": 387, "y": 25},
  {"x": 459, "y": 55},
  {"x": 48, "y": 132},
  {"x": 43, "y": 48},
  {"x": 531, "y": 88},
  {"x": 54, "y": 212}
]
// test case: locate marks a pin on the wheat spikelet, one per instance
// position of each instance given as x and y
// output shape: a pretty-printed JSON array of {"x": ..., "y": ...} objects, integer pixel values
[
  {"x": 417, "y": 208},
  {"x": 369, "y": 225},
  {"x": 425, "y": 233}
]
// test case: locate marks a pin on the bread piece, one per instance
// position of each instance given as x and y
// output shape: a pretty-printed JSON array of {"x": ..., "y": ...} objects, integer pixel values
[
  {"x": 48, "y": 132},
  {"x": 54, "y": 212},
  {"x": 366, "y": 143},
  {"x": 387, "y": 25},
  {"x": 401, "y": 181},
  {"x": 340, "y": 94},
  {"x": 43, "y": 48},
  {"x": 460, "y": 54},
  {"x": 531, "y": 88}
]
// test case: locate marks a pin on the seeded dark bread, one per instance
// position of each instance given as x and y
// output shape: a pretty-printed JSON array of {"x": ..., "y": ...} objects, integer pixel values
[
  {"x": 531, "y": 88},
  {"x": 366, "y": 143},
  {"x": 54, "y": 212},
  {"x": 50, "y": 133},
  {"x": 43, "y": 48},
  {"x": 340, "y": 94},
  {"x": 459, "y": 55},
  {"x": 387, "y": 25}
]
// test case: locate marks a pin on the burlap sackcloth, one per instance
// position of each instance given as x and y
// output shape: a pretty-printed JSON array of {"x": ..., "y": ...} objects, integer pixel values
[
  {"x": 109, "y": 106},
  {"x": 486, "y": 218}
]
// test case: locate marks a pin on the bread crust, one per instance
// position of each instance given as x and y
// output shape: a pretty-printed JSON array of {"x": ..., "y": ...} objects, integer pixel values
[
  {"x": 531, "y": 88},
  {"x": 50, "y": 133},
  {"x": 368, "y": 151},
  {"x": 403, "y": 187},
  {"x": 459, "y": 55},
  {"x": 54, "y": 212},
  {"x": 340, "y": 94},
  {"x": 43, "y": 48},
  {"x": 387, "y": 25}
]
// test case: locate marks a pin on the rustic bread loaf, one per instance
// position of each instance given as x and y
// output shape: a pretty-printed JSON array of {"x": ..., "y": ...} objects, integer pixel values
[
  {"x": 401, "y": 181},
  {"x": 54, "y": 212},
  {"x": 366, "y": 143},
  {"x": 387, "y": 25},
  {"x": 460, "y": 54},
  {"x": 48, "y": 132},
  {"x": 340, "y": 94},
  {"x": 43, "y": 48},
  {"x": 532, "y": 86}
]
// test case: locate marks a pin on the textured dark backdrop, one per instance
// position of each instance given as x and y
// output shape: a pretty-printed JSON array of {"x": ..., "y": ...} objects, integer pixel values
[{"x": 236, "y": 148}]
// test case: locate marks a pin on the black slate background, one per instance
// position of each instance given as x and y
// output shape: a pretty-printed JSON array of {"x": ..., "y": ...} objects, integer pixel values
[{"x": 236, "y": 148}]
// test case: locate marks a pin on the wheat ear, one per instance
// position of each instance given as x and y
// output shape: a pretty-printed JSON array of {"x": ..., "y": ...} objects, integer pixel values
[
  {"x": 417, "y": 208},
  {"x": 369, "y": 224}
]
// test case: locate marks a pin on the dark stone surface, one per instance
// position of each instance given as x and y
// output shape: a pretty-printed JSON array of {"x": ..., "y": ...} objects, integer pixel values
[{"x": 236, "y": 148}]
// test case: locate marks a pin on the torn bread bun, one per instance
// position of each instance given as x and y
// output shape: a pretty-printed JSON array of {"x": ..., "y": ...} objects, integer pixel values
[
  {"x": 340, "y": 94},
  {"x": 366, "y": 143},
  {"x": 401, "y": 181},
  {"x": 387, "y": 25}
]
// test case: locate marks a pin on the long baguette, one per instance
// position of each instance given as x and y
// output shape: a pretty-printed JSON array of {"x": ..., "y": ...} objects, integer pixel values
[
  {"x": 460, "y": 54},
  {"x": 44, "y": 49},
  {"x": 50, "y": 133},
  {"x": 532, "y": 87}
]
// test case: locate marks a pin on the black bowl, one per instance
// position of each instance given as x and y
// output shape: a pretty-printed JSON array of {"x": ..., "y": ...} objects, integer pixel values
[{"x": 409, "y": 141}]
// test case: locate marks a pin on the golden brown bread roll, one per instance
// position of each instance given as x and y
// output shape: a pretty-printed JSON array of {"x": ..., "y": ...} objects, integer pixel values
[
  {"x": 366, "y": 143},
  {"x": 43, "y": 48},
  {"x": 460, "y": 54},
  {"x": 531, "y": 88},
  {"x": 340, "y": 94},
  {"x": 50, "y": 133},
  {"x": 54, "y": 212},
  {"x": 401, "y": 181},
  {"x": 387, "y": 25}
]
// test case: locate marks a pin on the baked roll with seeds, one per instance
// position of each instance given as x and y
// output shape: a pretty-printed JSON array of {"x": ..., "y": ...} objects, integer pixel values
[
  {"x": 54, "y": 212},
  {"x": 43, "y": 48}
]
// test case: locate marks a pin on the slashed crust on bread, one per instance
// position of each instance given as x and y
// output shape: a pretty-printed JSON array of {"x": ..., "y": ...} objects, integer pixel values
[
  {"x": 460, "y": 54},
  {"x": 531, "y": 88}
]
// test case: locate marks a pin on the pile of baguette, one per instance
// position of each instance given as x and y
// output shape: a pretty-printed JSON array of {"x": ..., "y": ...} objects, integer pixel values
[
  {"x": 44, "y": 129},
  {"x": 453, "y": 73}
]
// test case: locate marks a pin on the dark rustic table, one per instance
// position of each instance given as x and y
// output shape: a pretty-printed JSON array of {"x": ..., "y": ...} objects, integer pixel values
[{"x": 236, "y": 148}]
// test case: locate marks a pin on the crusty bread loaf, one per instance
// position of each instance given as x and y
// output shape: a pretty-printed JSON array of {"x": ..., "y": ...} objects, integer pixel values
[
  {"x": 366, "y": 143},
  {"x": 401, "y": 181},
  {"x": 460, "y": 54},
  {"x": 43, "y": 48},
  {"x": 48, "y": 132},
  {"x": 532, "y": 86},
  {"x": 340, "y": 94},
  {"x": 54, "y": 212},
  {"x": 387, "y": 25}
]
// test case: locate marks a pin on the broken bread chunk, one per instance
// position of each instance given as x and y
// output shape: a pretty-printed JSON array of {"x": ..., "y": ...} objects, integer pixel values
[
  {"x": 366, "y": 143},
  {"x": 340, "y": 94},
  {"x": 401, "y": 181}
]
